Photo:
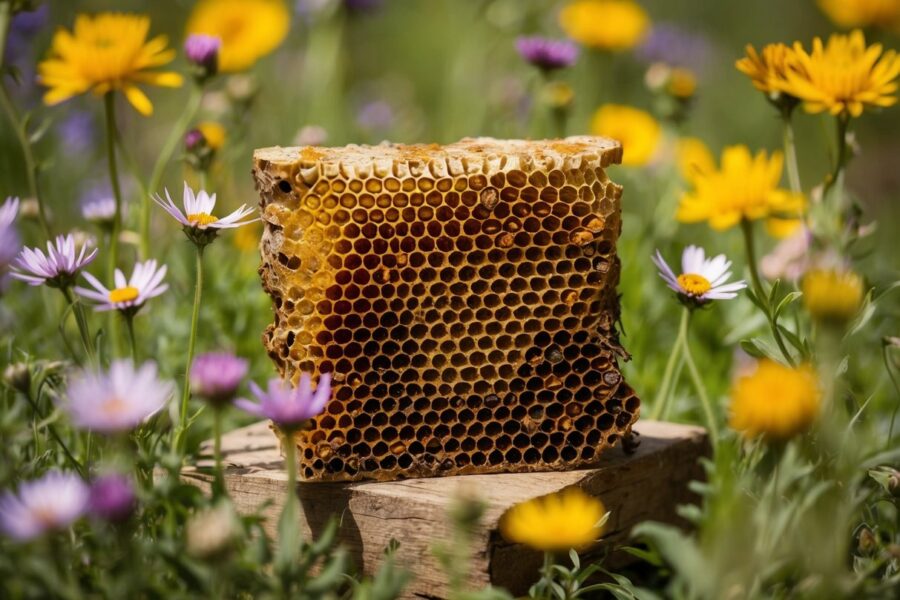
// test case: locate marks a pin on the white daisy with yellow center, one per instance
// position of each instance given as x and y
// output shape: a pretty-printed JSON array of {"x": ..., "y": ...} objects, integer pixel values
[
  {"x": 702, "y": 279},
  {"x": 128, "y": 295},
  {"x": 198, "y": 211}
]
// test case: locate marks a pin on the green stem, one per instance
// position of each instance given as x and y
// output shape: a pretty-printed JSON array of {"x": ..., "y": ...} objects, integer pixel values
[
  {"x": 109, "y": 102},
  {"x": 762, "y": 296},
  {"x": 790, "y": 155},
  {"x": 39, "y": 416},
  {"x": 219, "y": 475},
  {"x": 885, "y": 349},
  {"x": 700, "y": 387},
  {"x": 81, "y": 320},
  {"x": 843, "y": 122},
  {"x": 129, "y": 324},
  {"x": 662, "y": 396},
  {"x": 19, "y": 127},
  {"x": 176, "y": 135},
  {"x": 192, "y": 340},
  {"x": 546, "y": 577}
]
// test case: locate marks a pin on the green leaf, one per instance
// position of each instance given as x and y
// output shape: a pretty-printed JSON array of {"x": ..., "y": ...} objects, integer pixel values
[
  {"x": 677, "y": 549},
  {"x": 786, "y": 301},
  {"x": 757, "y": 348}
]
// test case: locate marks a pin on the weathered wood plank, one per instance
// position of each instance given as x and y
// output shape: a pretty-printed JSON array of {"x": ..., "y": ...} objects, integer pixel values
[{"x": 648, "y": 484}]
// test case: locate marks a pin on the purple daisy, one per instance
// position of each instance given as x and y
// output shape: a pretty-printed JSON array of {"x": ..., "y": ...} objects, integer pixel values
[
  {"x": 129, "y": 295},
  {"x": 198, "y": 210},
  {"x": 547, "y": 54},
  {"x": 289, "y": 407},
  {"x": 202, "y": 51},
  {"x": 116, "y": 400},
  {"x": 9, "y": 237},
  {"x": 57, "y": 268},
  {"x": 50, "y": 503},
  {"x": 99, "y": 206},
  {"x": 112, "y": 497},
  {"x": 215, "y": 376}
]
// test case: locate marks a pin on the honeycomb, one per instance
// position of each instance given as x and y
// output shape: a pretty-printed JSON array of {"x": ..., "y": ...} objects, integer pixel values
[{"x": 462, "y": 296}]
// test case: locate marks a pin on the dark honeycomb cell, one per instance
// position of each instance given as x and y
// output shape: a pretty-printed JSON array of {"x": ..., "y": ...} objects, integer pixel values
[{"x": 463, "y": 298}]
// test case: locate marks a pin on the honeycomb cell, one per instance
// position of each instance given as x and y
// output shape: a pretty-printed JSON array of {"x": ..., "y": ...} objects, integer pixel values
[{"x": 463, "y": 297}]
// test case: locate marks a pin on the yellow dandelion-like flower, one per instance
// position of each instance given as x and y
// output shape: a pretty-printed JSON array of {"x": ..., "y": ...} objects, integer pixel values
[
  {"x": 213, "y": 133},
  {"x": 863, "y": 13},
  {"x": 636, "y": 129},
  {"x": 104, "y": 53},
  {"x": 605, "y": 24},
  {"x": 832, "y": 295},
  {"x": 249, "y": 29},
  {"x": 844, "y": 75},
  {"x": 775, "y": 401},
  {"x": 768, "y": 68},
  {"x": 556, "y": 522},
  {"x": 745, "y": 187}
]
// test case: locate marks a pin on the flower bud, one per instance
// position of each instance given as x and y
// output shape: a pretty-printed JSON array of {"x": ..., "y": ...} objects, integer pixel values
[
  {"x": 112, "y": 498},
  {"x": 202, "y": 52},
  {"x": 212, "y": 532},
  {"x": 18, "y": 377}
]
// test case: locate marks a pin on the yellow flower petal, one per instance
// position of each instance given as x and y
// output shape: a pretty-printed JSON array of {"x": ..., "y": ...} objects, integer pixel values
[{"x": 138, "y": 100}]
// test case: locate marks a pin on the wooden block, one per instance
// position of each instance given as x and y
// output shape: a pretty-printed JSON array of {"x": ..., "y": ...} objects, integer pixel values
[{"x": 648, "y": 484}]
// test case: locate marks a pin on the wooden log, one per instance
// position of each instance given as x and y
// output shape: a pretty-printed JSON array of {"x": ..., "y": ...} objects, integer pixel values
[{"x": 647, "y": 484}]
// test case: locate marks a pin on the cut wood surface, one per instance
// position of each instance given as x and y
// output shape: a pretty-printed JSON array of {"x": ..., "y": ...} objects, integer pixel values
[{"x": 647, "y": 484}]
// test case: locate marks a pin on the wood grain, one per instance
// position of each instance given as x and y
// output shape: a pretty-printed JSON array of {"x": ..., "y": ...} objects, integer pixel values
[{"x": 648, "y": 484}]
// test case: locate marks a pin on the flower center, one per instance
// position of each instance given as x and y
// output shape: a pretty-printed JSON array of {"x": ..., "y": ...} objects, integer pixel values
[
  {"x": 693, "y": 284},
  {"x": 124, "y": 294},
  {"x": 114, "y": 405},
  {"x": 201, "y": 219},
  {"x": 44, "y": 515}
]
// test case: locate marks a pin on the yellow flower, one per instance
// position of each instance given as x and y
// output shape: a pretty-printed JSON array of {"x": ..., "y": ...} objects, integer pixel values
[
  {"x": 249, "y": 29},
  {"x": 562, "y": 521},
  {"x": 694, "y": 158},
  {"x": 768, "y": 68},
  {"x": 213, "y": 133},
  {"x": 636, "y": 129},
  {"x": 105, "y": 53},
  {"x": 246, "y": 239},
  {"x": 844, "y": 75},
  {"x": 682, "y": 83},
  {"x": 832, "y": 295},
  {"x": 775, "y": 401},
  {"x": 863, "y": 13},
  {"x": 605, "y": 24},
  {"x": 745, "y": 187}
]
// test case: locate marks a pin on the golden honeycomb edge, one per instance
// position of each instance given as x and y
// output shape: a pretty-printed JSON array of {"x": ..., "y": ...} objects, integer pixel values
[{"x": 462, "y": 296}]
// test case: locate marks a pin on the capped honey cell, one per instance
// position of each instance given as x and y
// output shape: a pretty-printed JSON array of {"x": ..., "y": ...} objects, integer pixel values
[{"x": 463, "y": 297}]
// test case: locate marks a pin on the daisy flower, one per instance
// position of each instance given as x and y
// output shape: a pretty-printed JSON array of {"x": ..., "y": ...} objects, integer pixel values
[
  {"x": 287, "y": 406},
  {"x": 116, "y": 400},
  {"x": 9, "y": 237},
  {"x": 197, "y": 219},
  {"x": 129, "y": 295},
  {"x": 50, "y": 503},
  {"x": 58, "y": 267},
  {"x": 702, "y": 279}
]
